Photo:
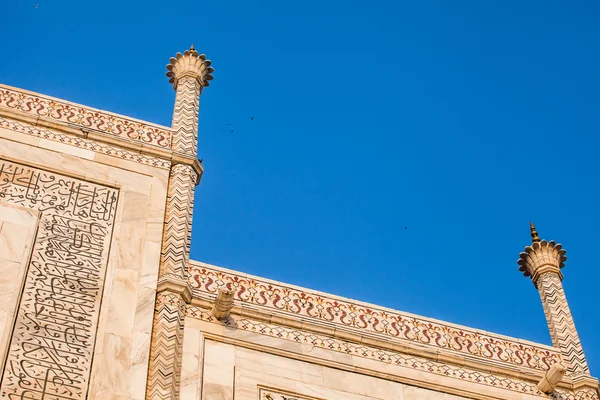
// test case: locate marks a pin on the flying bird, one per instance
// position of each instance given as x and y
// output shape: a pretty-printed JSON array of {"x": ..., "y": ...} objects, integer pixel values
[
  {"x": 36, "y": 6},
  {"x": 251, "y": 118}
]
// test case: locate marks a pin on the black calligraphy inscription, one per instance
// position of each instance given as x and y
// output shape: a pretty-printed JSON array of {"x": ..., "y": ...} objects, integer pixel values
[{"x": 52, "y": 343}]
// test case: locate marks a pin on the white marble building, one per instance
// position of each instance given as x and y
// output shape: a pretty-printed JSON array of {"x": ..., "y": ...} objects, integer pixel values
[{"x": 100, "y": 299}]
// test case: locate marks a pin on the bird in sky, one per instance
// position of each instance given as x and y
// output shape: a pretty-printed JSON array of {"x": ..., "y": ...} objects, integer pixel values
[{"x": 251, "y": 118}]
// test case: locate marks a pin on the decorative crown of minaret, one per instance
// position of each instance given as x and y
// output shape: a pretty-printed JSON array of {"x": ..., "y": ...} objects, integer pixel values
[
  {"x": 192, "y": 64},
  {"x": 542, "y": 256}
]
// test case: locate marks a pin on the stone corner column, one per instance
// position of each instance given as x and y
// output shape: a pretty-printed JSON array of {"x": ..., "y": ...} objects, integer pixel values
[
  {"x": 189, "y": 73},
  {"x": 542, "y": 262}
]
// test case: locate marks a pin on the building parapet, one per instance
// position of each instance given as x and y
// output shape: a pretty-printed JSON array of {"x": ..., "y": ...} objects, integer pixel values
[
  {"x": 35, "y": 105},
  {"x": 340, "y": 317}
]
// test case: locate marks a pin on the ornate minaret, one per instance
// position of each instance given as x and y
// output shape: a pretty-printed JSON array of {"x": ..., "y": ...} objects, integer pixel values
[
  {"x": 542, "y": 262},
  {"x": 189, "y": 73}
]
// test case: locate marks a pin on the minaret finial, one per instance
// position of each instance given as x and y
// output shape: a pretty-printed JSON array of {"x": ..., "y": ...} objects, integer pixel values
[
  {"x": 191, "y": 64},
  {"x": 534, "y": 234}
]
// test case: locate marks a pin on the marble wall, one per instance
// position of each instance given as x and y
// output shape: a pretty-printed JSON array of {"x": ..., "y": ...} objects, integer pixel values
[
  {"x": 80, "y": 238},
  {"x": 278, "y": 341},
  {"x": 235, "y": 372}
]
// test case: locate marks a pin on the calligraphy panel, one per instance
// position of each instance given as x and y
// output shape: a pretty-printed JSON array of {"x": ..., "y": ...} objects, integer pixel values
[{"x": 52, "y": 343}]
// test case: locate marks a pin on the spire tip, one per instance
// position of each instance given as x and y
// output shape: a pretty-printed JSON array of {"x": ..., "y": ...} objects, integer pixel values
[{"x": 534, "y": 234}]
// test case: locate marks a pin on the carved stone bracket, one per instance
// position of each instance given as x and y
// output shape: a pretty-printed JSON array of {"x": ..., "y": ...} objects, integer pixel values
[
  {"x": 223, "y": 303},
  {"x": 551, "y": 378}
]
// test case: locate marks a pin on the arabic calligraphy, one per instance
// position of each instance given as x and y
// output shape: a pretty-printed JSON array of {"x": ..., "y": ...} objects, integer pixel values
[{"x": 53, "y": 339}]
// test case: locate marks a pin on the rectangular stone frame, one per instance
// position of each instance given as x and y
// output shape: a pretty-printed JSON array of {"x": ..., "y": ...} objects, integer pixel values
[{"x": 52, "y": 343}]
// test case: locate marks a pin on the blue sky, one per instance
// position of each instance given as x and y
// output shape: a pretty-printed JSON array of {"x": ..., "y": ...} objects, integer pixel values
[{"x": 460, "y": 121}]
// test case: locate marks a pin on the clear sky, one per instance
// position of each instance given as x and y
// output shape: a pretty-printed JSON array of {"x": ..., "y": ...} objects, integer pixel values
[{"x": 398, "y": 149}]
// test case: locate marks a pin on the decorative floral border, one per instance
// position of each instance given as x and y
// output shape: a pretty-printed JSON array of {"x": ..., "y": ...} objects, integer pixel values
[
  {"x": 85, "y": 117},
  {"x": 83, "y": 143},
  {"x": 388, "y": 357},
  {"x": 372, "y": 320}
]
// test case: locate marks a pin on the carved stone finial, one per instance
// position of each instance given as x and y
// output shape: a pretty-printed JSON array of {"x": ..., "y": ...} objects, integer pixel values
[
  {"x": 192, "y": 64},
  {"x": 542, "y": 257},
  {"x": 534, "y": 234}
]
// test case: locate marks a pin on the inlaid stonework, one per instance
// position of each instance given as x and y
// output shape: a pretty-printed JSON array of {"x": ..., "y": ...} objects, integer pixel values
[
  {"x": 83, "y": 143},
  {"x": 265, "y": 306},
  {"x": 85, "y": 117},
  {"x": 52, "y": 343},
  {"x": 370, "y": 319}
]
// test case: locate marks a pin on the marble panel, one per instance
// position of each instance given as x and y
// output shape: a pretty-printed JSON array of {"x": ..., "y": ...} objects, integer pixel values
[
  {"x": 52, "y": 342},
  {"x": 17, "y": 231},
  {"x": 122, "y": 344},
  {"x": 191, "y": 368},
  {"x": 218, "y": 376}
]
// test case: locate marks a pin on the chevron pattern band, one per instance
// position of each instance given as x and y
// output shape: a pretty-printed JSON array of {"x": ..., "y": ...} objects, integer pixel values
[
  {"x": 561, "y": 325},
  {"x": 175, "y": 254},
  {"x": 165, "y": 352},
  {"x": 185, "y": 116}
]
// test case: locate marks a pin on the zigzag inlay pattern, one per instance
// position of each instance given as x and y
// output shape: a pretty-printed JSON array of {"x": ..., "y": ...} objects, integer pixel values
[
  {"x": 185, "y": 116},
  {"x": 165, "y": 352},
  {"x": 175, "y": 255},
  {"x": 562, "y": 328}
]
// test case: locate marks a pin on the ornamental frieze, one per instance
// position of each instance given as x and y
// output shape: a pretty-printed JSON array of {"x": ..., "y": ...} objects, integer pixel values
[
  {"x": 383, "y": 356},
  {"x": 84, "y": 117},
  {"x": 364, "y": 318}
]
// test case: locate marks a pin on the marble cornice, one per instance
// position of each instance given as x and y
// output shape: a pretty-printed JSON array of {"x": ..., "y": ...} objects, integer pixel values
[
  {"x": 96, "y": 141},
  {"x": 175, "y": 286},
  {"x": 511, "y": 356},
  {"x": 417, "y": 370}
]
